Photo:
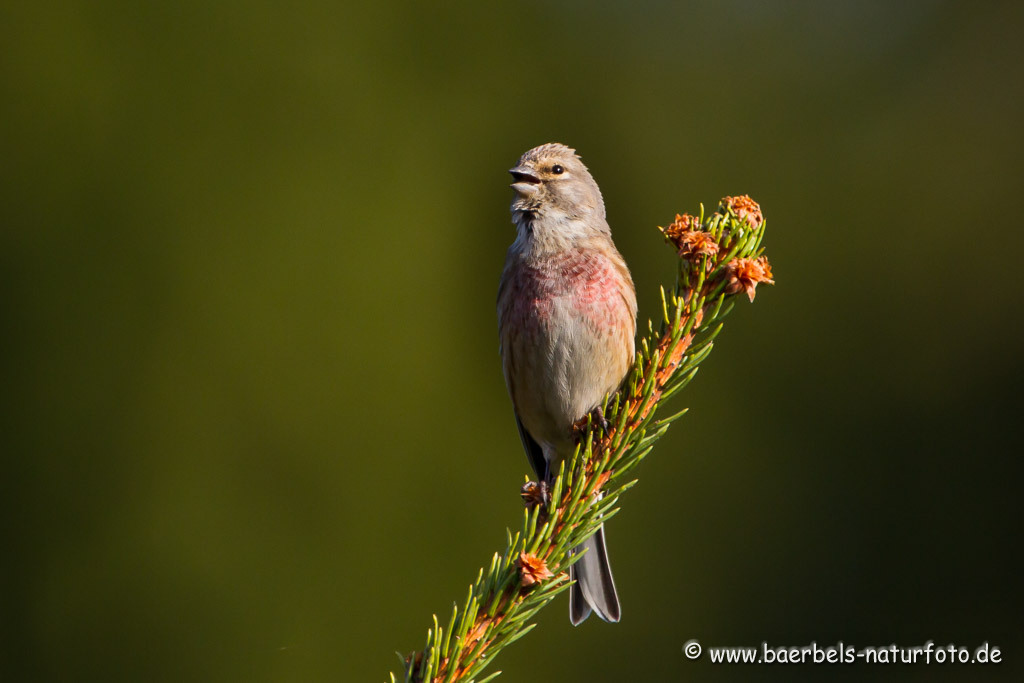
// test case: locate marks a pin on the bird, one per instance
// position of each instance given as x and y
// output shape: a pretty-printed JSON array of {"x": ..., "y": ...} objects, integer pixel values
[{"x": 566, "y": 325}]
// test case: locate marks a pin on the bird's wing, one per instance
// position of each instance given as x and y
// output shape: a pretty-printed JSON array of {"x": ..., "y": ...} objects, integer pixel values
[
  {"x": 506, "y": 347},
  {"x": 533, "y": 452}
]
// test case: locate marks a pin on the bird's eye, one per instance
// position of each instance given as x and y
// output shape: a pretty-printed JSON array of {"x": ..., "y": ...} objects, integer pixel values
[{"x": 557, "y": 170}]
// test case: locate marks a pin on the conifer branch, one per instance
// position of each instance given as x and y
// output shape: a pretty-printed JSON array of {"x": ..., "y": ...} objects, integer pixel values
[{"x": 720, "y": 256}]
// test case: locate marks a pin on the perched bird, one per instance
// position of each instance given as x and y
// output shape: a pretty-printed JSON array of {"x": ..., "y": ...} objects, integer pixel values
[{"x": 566, "y": 320}]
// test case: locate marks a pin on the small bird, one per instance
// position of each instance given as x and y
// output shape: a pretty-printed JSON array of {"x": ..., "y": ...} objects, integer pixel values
[{"x": 566, "y": 321}]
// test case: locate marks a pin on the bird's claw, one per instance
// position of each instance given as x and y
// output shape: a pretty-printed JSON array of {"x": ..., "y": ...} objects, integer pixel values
[
  {"x": 595, "y": 416},
  {"x": 536, "y": 493}
]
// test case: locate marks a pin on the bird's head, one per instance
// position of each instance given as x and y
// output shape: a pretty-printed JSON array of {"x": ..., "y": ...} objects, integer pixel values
[{"x": 551, "y": 180}]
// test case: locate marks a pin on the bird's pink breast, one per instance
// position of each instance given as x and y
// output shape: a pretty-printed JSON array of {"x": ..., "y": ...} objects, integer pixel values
[{"x": 589, "y": 279}]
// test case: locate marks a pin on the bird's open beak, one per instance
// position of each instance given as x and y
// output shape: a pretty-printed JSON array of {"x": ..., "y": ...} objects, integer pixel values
[{"x": 525, "y": 181}]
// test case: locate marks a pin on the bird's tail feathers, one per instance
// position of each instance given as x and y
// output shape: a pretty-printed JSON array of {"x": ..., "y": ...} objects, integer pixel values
[{"x": 594, "y": 588}]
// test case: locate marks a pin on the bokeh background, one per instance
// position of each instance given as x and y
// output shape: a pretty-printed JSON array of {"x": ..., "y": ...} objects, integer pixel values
[{"x": 254, "y": 423}]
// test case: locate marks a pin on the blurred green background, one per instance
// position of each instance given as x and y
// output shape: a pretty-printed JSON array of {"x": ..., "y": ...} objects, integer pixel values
[{"x": 255, "y": 427}]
